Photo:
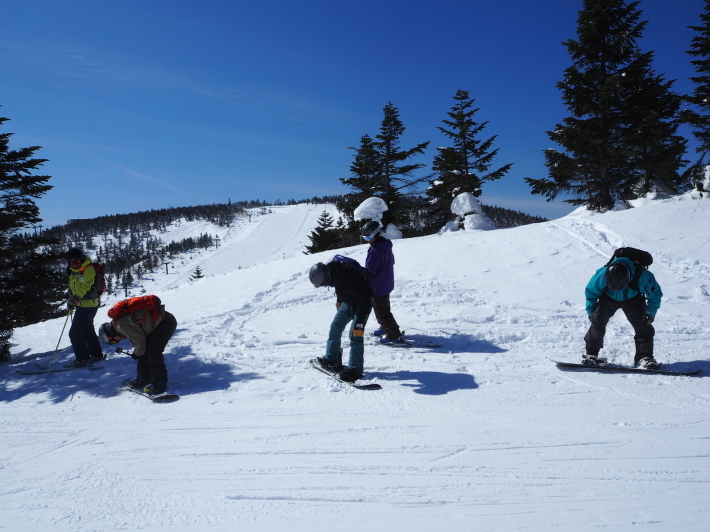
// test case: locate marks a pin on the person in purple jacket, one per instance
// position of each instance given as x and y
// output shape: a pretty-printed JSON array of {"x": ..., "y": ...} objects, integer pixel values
[{"x": 380, "y": 264}]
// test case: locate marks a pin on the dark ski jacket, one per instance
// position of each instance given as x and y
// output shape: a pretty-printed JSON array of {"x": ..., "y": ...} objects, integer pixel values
[
  {"x": 351, "y": 288},
  {"x": 380, "y": 263},
  {"x": 647, "y": 284}
]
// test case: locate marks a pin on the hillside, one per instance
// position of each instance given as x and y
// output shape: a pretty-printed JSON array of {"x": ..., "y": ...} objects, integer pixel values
[{"x": 482, "y": 434}]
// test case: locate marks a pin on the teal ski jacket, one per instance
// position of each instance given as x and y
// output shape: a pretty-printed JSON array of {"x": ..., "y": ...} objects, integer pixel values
[{"x": 647, "y": 286}]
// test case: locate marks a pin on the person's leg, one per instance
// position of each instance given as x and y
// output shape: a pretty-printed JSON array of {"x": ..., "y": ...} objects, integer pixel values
[
  {"x": 333, "y": 352},
  {"x": 155, "y": 347},
  {"x": 357, "y": 348},
  {"x": 594, "y": 339},
  {"x": 383, "y": 315},
  {"x": 83, "y": 318},
  {"x": 635, "y": 310}
]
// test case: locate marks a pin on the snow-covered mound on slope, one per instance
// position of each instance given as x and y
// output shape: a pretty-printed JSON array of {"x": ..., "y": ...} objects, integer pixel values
[{"x": 484, "y": 433}]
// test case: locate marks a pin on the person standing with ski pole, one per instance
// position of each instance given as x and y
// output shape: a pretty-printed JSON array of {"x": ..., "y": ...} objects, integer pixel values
[{"x": 83, "y": 302}]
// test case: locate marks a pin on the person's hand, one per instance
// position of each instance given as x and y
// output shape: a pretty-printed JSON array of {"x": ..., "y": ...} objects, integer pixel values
[
  {"x": 337, "y": 305},
  {"x": 121, "y": 350},
  {"x": 647, "y": 319}
]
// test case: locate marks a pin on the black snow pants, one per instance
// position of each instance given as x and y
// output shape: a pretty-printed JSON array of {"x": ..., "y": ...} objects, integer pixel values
[
  {"x": 383, "y": 315},
  {"x": 151, "y": 366},
  {"x": 634, "y": 309}
]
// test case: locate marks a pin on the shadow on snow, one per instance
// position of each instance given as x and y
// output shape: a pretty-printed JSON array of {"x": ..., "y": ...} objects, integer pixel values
[
  {"x": 430, "y": 382},
  {"x": 188, "y": 374}
]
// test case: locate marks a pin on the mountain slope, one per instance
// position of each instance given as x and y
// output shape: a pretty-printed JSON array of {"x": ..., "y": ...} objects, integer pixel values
[{"x": 482, "y": 434}]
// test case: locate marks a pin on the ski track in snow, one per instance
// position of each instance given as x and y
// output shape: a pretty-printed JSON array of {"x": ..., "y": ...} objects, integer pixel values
[{"x": 481, "y": 434}]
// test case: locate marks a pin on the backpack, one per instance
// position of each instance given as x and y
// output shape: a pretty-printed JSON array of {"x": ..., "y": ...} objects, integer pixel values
[
  {"x": 99, "y": 287},
  {"x": 641, "y": 259},
  {"x": 150, "y": 303},
  {"x": 354, "y": 265}
]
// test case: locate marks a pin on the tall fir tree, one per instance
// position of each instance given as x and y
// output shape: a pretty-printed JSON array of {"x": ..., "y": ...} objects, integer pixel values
[
  {"x": 621, "y": 136},
  {"x": 381, "y": 169},
  {"x": 30, "y": 289},
  {"x": 464, "y": 166},
  {"x": 699, "y": 116},
  {"x": 364, "y": 176},
  {"x": 396, "y": 174}
]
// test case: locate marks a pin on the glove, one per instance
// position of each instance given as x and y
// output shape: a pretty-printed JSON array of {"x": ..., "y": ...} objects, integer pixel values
[
  {"x": 71, "y": 305},
  {"x": 359, "y": 330},
  {"x": 647, "y": 319},
  {"x": 337, "y": 305},
  {"x": 121, "y": 350}
]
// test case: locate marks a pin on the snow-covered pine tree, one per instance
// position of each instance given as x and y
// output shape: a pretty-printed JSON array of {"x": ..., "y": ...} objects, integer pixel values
[
  {"x": 464, "y": 166},
  {"x": 197, "y": 274},
  {"x": 621, "y": 132},
  {"x": 380, "y": 169}
]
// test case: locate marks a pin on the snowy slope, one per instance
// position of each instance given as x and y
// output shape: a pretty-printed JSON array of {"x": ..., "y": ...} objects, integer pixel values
[{"x": 482, "y": 434}]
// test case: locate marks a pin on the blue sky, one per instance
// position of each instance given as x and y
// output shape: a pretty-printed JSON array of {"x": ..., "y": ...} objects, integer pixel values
[{"x": 157, "y": 103}]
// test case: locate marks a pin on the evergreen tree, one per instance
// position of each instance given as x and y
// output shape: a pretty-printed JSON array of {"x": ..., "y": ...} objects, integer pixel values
[
  {"x": 28, "y": 288},
  {"x": 652, "y": 120},
  {"x": 699, "y": 116},
  {"x": 197, "y": 274},
  {"x": 324, "y": 236},
  {"x": 621, "y": 135},
  {"x": 380, "y": 169},
  {"x": 395, "y": 175},
  {"x": 464, "y": 166}
]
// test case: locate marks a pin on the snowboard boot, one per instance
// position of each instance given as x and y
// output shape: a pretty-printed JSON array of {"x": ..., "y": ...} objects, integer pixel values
[
  {"x": 378, "y": 332},
  {"x": 385, "y": 340},
  {"x": 137, "y": 384},
  {"x": 350, "y": 374},
  {"x": 328, "y": 365},
  {"x": 155, "y": 388},
  {"x": 593, "y": 360},
  {"x": 648, "y": 362}
]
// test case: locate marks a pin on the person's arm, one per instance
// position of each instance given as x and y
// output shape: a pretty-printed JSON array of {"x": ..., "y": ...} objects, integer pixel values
[
  {"x": 594, "y": 290},
  {"x": 649, "y": 287}
]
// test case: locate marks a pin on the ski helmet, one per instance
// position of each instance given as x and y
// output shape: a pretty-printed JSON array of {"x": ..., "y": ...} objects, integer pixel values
[
  {"x": 318, "y": 274},
  {"x": 108, "y": 334},
  {"x": 370, "y": 229},
  {"x": 75, "y": 254},
  {"x": 617, "y": 276}
]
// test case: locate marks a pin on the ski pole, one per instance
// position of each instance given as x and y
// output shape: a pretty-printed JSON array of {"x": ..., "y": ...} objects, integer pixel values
[{"x": 69, "y": 313}]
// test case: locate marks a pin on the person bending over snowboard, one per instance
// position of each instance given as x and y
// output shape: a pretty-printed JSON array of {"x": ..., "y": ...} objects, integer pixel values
[
  {"x": 608, "y": 291},
  {"x": 354, "y": 303},
  {"x": 144, "y": 321}
]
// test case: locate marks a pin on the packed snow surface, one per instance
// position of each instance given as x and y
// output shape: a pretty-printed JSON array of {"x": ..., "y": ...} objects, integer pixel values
[{"x": 484, "y": 433}]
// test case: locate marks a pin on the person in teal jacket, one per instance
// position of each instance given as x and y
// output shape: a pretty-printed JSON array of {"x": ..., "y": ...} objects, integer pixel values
[{"x": 620, "y": 286}]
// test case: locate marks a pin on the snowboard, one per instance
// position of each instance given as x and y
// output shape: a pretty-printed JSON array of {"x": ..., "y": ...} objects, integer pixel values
[
  {"x": 333, "y": 374},
  {"x": 159, "y": 398},
  {"x": 622, "y": 369},
  {"x": 408, "y": 342}
]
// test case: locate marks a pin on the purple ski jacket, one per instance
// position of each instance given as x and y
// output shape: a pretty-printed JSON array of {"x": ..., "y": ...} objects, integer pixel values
[{"x": 380, "y": 263}]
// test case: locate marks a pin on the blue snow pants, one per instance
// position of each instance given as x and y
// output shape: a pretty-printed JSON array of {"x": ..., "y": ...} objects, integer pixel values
[{"x": 344, "y": 316}]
